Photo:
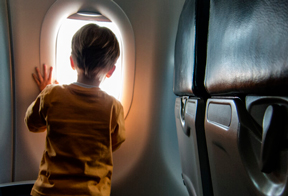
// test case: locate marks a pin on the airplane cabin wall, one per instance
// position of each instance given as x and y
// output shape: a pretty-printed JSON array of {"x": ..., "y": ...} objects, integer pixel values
[
  {"x": 153, "y": 145},
  {"x": 148, "y": 162},
  {"x": 26, "y": 19}
]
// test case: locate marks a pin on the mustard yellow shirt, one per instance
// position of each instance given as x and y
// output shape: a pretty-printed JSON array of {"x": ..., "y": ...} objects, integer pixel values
[{"x": 84, "y": 126}]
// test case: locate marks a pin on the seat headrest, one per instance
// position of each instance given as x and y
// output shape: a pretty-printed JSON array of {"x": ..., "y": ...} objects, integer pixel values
[{"x": 190, "y": 49}]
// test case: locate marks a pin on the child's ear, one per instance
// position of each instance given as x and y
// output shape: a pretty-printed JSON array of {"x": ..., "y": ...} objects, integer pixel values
[
  {"x": 72, "y": 63},
  {"x": 110, "y": 72}
]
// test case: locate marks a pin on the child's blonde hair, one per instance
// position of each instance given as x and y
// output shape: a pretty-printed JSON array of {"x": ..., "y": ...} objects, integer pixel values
[{"x": 95, "y": 50}]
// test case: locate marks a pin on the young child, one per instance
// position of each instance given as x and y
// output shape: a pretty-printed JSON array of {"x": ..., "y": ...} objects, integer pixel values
[{"x": 84, "y": 124}]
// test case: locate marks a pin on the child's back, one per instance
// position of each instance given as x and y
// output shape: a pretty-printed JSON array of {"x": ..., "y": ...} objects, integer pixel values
[{"x": 84, "y": 125}]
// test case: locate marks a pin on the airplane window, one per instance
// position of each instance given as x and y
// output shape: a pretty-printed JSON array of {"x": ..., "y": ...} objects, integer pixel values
[
  {"x": 61, "y": 22},
  {"x": 64, "y": 73}
]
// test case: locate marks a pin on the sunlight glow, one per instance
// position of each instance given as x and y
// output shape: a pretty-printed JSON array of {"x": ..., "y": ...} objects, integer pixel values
[{"x": 65, "y": 74}]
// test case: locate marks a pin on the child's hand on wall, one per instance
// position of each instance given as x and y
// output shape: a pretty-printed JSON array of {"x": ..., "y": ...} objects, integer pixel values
[{"x": 43, "y": 81}]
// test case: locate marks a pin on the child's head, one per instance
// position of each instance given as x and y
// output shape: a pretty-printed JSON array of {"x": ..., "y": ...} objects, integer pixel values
[{"x": 95, "y": 50}]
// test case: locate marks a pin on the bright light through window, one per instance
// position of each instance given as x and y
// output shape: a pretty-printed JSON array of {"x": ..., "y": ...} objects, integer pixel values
[{"x": 65, "y": 74}]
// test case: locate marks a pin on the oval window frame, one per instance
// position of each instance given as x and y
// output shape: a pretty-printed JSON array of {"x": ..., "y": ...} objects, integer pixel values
[{"x": 62, "y": 9}]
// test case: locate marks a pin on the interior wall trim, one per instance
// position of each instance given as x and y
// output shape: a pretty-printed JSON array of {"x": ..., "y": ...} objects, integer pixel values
[{"x": 12, "y": 90}]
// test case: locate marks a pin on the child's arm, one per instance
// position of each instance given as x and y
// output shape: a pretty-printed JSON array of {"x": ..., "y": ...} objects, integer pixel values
[
  {"x": 33, "y": 118},
  {"x": 118, "y": 135}
]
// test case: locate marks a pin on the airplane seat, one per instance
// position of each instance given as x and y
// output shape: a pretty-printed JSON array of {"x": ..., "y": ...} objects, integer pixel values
[
  {"x": 16, "y": 188},
  {"x": 190, "y": 60},
  {"x": 246, "y": 76}
]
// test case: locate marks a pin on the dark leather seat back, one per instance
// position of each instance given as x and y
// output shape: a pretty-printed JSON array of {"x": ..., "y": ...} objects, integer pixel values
[
  {"x": 190, "y": 49},
  {"x": 247, "y": 47},
  {"x": 190, "y": 61},
  {"x": 16, "y": 189},
  {"x": 247, "y": 78}
]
